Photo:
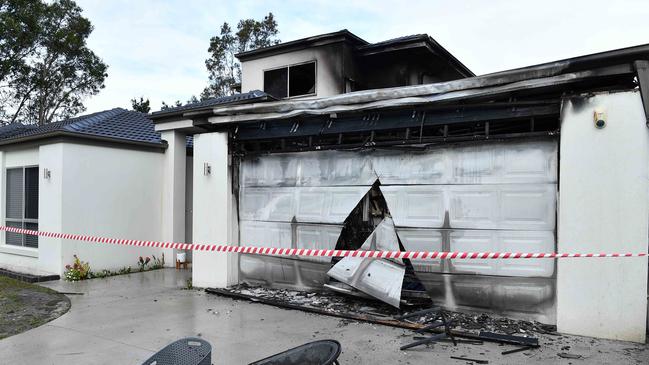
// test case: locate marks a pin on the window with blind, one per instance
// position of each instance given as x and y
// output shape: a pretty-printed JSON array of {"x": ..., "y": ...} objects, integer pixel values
[{"x": 22, "y": 205}]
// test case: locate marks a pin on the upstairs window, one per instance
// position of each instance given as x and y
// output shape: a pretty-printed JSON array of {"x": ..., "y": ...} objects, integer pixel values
[
  {"x": 22, "y": 205},
  {"x": 291, "y": 81}
]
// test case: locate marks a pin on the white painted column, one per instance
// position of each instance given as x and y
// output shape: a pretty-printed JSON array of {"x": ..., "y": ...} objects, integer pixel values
[
  {"x": 51, "y": 255},
  {"x": 173, "y": 192},
  {"x": 603, "y": 207},
  {"x": 214, "y": 219}
]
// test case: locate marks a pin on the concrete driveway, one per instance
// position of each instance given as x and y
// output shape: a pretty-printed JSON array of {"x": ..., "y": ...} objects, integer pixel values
[{"x": 125, "y": 319}]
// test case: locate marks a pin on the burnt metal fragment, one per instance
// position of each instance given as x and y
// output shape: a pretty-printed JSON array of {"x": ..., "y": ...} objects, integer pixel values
[
  {"x": 517, "y": 350},
  {"x": 477, "y": 361},
  {"x": 514, "y": 340},
  {"x": 438, "y": 321}
]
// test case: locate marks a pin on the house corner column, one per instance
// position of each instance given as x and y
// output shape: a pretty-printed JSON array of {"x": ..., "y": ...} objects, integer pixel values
[
  {"x": 173, "y": 192},
  {"x": 214, "y": 212},
  {"x": 53, "y": 253},
  {"x": 603, "y": 207}
]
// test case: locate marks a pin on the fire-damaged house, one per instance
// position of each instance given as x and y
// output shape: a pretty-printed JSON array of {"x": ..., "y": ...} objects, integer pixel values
[{"x": 398, "y": 146}]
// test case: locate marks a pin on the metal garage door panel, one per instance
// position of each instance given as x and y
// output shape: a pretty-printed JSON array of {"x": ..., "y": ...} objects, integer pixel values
[
  {"x": 416, "y": 206},
  {"x": 526, "y": 241},
  {"x": 521, "y": 207},
  {"x": 503, "y": 241},
  {"x": 325, "y": 168},
  {"x": 498, "y": 163},
  {"x": 318, "y": 237},
  {"x": 282, "y": 272},
  {"x": 534, "y": 162},
  {"x": 431, "y": 167},
  {"x": 335, "y": 168},
  {"x": 473, "y": 206},
  {"x": 327, "y": 204},
  {"x": 529, "y": 207},
  {"x": 267, "y": 204},
  {"x": 422, "y": 240},
  {"x": 269, "y": 170},
  {"x": 265, "y": 234},
  {"x": 474, "y": 241},
  {"x": 518, "y": 162},
  {"x": 525, "y": 298},
  {"x": 309, "y": 205}
]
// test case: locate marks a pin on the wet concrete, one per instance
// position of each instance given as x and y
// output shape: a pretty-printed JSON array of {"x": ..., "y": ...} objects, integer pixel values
[{"x": 124, "y": 319}]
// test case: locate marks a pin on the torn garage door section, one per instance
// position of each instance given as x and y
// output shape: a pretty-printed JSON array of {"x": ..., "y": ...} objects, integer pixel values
[
  {"x": 498, "y": 196},
  {"x": 380, "y": 278}
]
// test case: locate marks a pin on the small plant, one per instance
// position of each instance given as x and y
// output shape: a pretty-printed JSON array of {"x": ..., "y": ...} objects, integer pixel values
[
  {"x": 142, "y": 262},
  {"x": 101, "y": 274},
  {"x": 158, "y": 263},
  {"x": 189, "y": 284},
  {"x": 124, "y": 270},
  {"x": 79, "y": 270}
]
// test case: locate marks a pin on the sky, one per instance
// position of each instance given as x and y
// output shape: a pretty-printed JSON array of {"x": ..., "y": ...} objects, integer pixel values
[{"x": 157, "y": 49}]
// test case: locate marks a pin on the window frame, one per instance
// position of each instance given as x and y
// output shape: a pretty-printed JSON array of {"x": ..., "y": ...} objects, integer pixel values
[
  {"x": 22, "y": 220},
  {"x": 288, "y": 78}
]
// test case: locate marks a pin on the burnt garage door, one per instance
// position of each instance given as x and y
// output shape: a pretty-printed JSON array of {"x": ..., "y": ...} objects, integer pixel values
[{"x": 479, "y": 197}]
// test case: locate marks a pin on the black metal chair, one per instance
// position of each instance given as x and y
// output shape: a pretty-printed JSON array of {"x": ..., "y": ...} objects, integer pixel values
[
  {"x": 186, "y": 351},
  {"x": 323, "y": 352}
]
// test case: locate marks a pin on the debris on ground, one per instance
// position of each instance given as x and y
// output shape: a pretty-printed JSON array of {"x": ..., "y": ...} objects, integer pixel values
[
  {"x": 567, "y": 355},
  {"x": 336, "y": 304},
  {"x": 468, "y": 359},
  {"x": 440, "y": 320}
]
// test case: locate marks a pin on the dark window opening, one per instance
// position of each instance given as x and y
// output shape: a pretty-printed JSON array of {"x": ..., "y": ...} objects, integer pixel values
[
  {"x": 290, "y": 81},
  {"x": 302, "y": 79},
  {"x": 276, "y": 82}
]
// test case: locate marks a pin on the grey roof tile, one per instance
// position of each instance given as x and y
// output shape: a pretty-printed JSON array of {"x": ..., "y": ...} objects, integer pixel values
[
  {"x": 236, "y": 98},
  {"x": 118, "y": 124}
]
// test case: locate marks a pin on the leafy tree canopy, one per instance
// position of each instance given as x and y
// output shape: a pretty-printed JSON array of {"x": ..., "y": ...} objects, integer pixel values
[
  {"x": 46, "y": 68},
  {"x": 141, "y": 105},
  {"x": 223, "y": 67}
]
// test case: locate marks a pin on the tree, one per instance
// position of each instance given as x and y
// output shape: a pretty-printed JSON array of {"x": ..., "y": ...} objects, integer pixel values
[
  {"x": 223, "y": 67},
  {"x": 46, "y": 73},
  {"x": 176, "y": 104},
  {"x": 141, "y": 105}
]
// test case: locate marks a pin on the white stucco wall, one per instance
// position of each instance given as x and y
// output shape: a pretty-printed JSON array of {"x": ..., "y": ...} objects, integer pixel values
[
  {"x": 174, "y": 171},
  {"x": 112, "y": 192},
  {"x": 603, "y": 207},
  {"x": 328, "y": 68},
  {"x": 214, "y": 218}
]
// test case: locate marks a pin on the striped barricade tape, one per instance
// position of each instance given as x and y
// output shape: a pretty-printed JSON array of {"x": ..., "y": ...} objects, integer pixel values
[{"x": 274, "y": 251}]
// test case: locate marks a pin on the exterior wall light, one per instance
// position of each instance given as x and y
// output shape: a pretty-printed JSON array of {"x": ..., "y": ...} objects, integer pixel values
[
  {"x": 599, "y": 117},
  {"x": 207, "y": 169},
  {"x": 47, "y": 173}
]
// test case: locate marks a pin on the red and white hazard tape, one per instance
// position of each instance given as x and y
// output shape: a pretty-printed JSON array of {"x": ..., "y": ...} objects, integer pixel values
[{"x": 274, "y": 251}]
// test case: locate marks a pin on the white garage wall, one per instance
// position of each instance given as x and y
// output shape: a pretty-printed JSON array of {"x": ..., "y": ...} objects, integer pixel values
[{"x": 603, "y": 208}]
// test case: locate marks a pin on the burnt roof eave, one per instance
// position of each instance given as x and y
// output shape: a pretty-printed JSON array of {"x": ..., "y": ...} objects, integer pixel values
[
  {"x": 420, "y": 42},
  {"x": 175, "y": 115},
  {"x": 302, "y": 42}
]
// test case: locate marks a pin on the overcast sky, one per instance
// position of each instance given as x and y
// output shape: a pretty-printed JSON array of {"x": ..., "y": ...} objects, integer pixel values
[{"x": 157, "y": 49}]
